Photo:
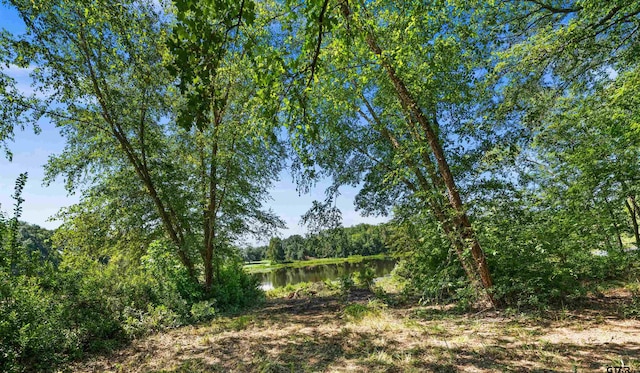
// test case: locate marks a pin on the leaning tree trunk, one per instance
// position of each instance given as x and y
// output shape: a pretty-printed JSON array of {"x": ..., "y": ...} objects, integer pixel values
[{"x": 461, "y": 226}]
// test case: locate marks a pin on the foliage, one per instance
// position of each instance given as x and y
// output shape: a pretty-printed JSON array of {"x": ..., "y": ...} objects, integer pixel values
[
  {"x": 365, "y": 276},
  {"x": 503, "y": 137},
  {"x": 428, "y": 264},
  {"x": 341, "y": 242},
  {"x": 88, "y": 305},
  {"x": 143, "y": 174},
  {"x": 18, "y": 110},
  {"x": 389, "y": 108},
  {"x": 239, "y": 290},
  {"x": 202, "y": 311},
  {"x": 345, "y": 283},
  {"x": 275, "y": 252},
  {"x": 356, "y": 311},
  {"x": 633, "y": 309},
  {"x": 11, "y": 256}
]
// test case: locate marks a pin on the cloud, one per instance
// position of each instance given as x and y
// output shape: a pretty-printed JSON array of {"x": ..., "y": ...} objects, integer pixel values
[
  {"x": 18, "y": 72},
  {"x": 22, "y": 77}
]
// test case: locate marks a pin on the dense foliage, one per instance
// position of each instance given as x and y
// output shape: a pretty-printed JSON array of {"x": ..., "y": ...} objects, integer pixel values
[
  {"x": 57, "y": 304},
  {"x": 503, "y": 138},
  {"x": 341, "y": 242}
]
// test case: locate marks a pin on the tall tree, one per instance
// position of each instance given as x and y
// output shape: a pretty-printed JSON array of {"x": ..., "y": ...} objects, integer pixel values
[
  {"x": 568, "y": 73},
  {"x": 214, "y": 47},
  {"x": 385, "y": 96},
  {"x": 275, "y": 251},
  {"x": 104, "y": 63}
]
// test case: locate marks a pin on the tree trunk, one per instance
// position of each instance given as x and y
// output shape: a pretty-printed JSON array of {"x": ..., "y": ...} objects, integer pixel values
[
  {"x": 461, "y": 224},
  {"x": 613, "y": 221},
  {"x": 170, "y": 223},
  {"x": 632, "y": 207},
  {"x": 210, "y": 218},
  {"x": 431, "y": 201}
]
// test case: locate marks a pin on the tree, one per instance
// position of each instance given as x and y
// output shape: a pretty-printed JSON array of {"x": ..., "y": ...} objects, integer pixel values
[
  {"x": 212, "y": 72},
  {"x": 197, "y": 188},
  {"x": 275, "y": 252},
  {"x": 18, "y": 110},
  {"x": 13, "y": 258},
  {"x": 570, "y": 76},
  {"x": 389, "y": 107}
]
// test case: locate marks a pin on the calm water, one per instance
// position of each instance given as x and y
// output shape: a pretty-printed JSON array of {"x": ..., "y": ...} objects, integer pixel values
[{"x": 283, "y": 276}]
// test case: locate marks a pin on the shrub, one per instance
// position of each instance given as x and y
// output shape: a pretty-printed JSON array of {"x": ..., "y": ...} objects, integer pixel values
[
  {"x": 365, "y": 276},
  {"x": 346, "y": 283},
  {"x": 202, "y": 311},
  {"x": 238, "y": 289},
  {"x": 357, "y": 311}
]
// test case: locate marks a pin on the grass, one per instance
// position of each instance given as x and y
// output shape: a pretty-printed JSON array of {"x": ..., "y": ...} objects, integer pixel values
[
  {"x": 324, "y": 333},
  {"x": 267, "y": 266},
  {"x": 305, "y": 289}
]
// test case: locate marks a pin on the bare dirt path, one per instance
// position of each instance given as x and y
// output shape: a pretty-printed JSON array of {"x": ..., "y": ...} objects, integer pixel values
[{"x": 326, "y": 334}]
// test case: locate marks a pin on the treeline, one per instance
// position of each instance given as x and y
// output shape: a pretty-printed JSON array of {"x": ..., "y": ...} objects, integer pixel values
[{"x": 361, "y": 239}]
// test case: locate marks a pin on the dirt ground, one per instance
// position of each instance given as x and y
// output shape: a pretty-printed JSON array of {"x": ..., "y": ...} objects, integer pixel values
[{"x": 328, "y": 334}]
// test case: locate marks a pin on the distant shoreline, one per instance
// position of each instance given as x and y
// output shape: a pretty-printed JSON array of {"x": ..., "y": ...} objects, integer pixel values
[{"x": 266, "y": 266}]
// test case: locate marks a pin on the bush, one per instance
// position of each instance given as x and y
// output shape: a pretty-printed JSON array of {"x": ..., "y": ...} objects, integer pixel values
[
  {"x": 357, "y": 311},
  {"x": 345, "y": 283},
  {"x": 365, "y": 276},
  {"x": 632, "y": 310},
  {"x": 91, "y": 304},
  {"x": 33, "y": 330},
  {"x": 536, "y": 256},
  {"x": 202, "y": 311},
  {"x": 239, "y": 289}
]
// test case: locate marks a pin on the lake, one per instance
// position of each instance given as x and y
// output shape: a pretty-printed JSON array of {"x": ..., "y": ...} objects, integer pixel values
[{"x": 283, "y": 276}]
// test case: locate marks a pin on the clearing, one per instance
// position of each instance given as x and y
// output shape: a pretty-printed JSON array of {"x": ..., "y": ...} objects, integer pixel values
[{"x": 360, "y": 333}]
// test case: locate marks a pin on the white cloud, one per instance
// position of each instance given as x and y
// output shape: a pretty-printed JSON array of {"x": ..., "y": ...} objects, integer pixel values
[
  {"x": 18, "y": 72},
  {"x": 22, "y": 77}
]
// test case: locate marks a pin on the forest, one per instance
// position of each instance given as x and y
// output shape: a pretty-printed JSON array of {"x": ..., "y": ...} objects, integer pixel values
[
  {"x": 502, "y": 140},
  {"x": 340, "y": 242}
]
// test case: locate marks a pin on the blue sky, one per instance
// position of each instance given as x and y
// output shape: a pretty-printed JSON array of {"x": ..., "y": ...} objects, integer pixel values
[{"x": 31, "y": 152}]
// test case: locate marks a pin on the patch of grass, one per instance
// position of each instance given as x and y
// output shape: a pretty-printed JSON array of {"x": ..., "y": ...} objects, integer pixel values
[
  {"x": 240, "y": 322},
  {"x": 191, "y": 366},
  {"x": 632, "y": 309},
  {"x": 305, "y": 289},
  {"x": 276, "y": 367},
  {"x": 357, "y": 311},
  {"x": 222, "y": 324},
  {"x": 431, "y": 313},
  {"x": 205, "y": 341},
  {"x": 381, "y": 357},
  {"x": 391, "y": 284}
]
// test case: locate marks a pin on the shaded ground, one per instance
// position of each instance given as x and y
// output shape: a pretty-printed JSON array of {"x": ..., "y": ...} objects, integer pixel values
[{"x": 326, "y": 334}]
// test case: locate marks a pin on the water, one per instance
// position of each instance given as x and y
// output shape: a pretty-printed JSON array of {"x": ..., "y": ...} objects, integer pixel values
[{"x": 284, "y": 276}]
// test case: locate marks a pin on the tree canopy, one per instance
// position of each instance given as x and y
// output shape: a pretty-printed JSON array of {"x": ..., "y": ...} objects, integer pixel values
[{"x": 501, "y": 137}]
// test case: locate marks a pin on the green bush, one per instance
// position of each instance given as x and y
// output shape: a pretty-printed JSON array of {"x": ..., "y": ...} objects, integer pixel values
[
  {"x": 238, "y": 289},
  {"x": 537, "y": 257},
  {"x": 89, "y": 304},
  {"x": 357, "y": 311},
  {"x": 202, "y": 311},
  {"x": 365, "y": 276},
  {"x": 345, "y": 283},
  {"x": 632, "y": 310},
  {"x": 33, "y": 330},
  {"x": 137, "y": 322}
]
